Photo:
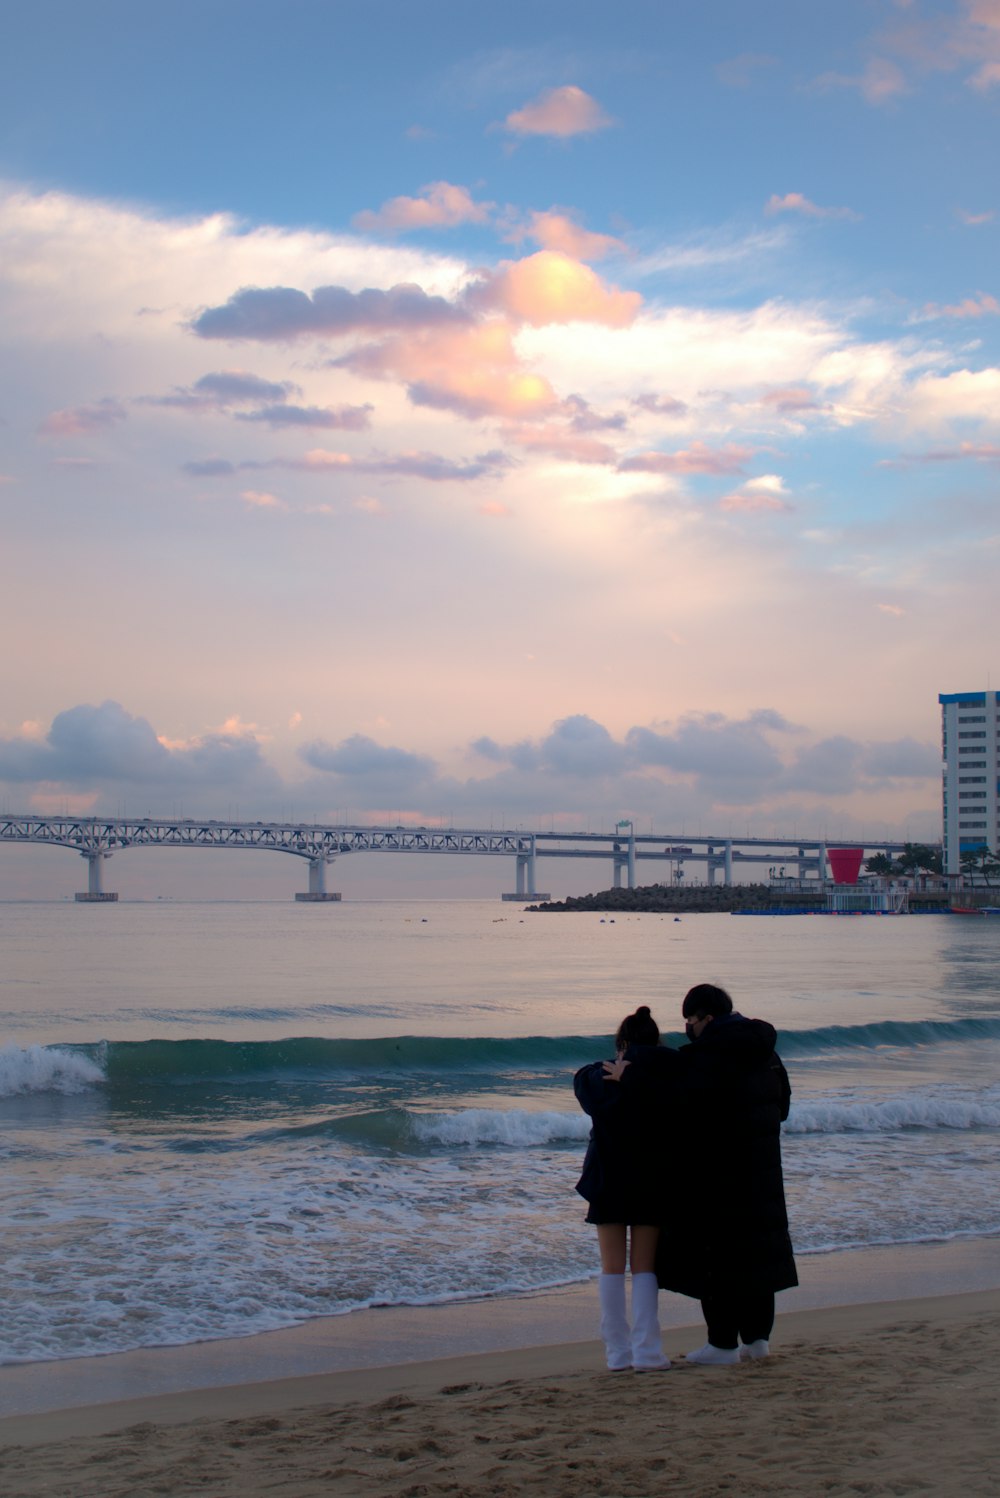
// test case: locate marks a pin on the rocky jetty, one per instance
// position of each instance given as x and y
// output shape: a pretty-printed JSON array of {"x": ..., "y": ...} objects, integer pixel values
[{"x": 691, "y": 899}]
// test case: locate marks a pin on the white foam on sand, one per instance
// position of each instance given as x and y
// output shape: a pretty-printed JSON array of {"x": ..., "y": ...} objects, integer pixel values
[{"x": 401, "y": 1334}]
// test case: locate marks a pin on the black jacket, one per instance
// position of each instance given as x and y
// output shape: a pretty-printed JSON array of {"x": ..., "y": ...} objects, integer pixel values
[
  {"x": 623, "y": 1176},
  {"x": 730, "y": 1232}
]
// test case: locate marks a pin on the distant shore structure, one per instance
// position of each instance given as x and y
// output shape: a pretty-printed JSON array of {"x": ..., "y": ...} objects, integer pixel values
[{"x": 970, "y": 723}]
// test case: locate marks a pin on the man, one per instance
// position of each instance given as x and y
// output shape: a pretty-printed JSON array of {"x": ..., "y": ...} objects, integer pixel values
[{"x": 726, "y": 1242}]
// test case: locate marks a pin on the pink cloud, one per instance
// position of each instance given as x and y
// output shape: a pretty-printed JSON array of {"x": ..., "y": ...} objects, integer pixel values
[
  {"x": 795, "y": 202},
  {"x": 561, "y": 442},
  {"x": 561, "y": 112},
  {"x": 981, "y": 305},
  {"x": 978, "y": 452},
  {"x": 440, "y": 205},
  {"x": 753, "y": 502},
  {"x": 495, "y": 510},
  {"x": 549, "y": 287},
  {"x": 262, "y": 501},
  {"x": 764, "y": 493},
  {"x": 474, "y": 371},
  {"x": 695, "y": 459},
  {"x": 83, "y": 421},
  {"x": 558, "y": 231},
  {"x": 988, "y": 76},
  {"x": 790, "y": 399},
  {"x": 975, "y": 219},
  {"x": 881, "y": 81}
]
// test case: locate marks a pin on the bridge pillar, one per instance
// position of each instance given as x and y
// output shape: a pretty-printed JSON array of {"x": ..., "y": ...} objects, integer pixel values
[
  {"x": 729, "y": 863},
  {"x": 525, "y": 876},
  {"x": 710, "y": 857},
  {"x": 318, "y": 892},
  {"x": 94, "y": 894}
]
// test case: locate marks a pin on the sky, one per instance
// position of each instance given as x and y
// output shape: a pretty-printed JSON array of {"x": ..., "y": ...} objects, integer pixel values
[{"x": 538, "y": 417}]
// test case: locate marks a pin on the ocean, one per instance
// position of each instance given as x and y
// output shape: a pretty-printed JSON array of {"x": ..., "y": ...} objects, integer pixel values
[{"x": 221, "y": 1119}]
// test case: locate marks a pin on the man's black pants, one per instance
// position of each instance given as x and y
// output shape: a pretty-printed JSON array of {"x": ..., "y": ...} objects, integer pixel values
[{"x": 739, "y": 1316}]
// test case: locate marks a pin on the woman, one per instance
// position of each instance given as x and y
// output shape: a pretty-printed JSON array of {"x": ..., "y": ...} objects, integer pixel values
[{"x": 621, "y": 1180}]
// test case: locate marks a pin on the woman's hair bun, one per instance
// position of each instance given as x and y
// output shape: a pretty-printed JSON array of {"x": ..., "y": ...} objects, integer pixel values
[{"x": 642, "y": 1012}]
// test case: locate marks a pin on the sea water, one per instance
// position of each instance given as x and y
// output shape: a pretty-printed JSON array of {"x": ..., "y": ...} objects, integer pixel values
[{"x": 222, "y": 1119}]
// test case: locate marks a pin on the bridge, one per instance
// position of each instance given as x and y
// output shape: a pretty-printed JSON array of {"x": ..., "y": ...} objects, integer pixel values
[{"x": 97, "y": 838}]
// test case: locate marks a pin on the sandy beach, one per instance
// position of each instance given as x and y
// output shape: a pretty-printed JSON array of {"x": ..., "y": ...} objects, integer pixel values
[{"x": 891, "y": 1397}]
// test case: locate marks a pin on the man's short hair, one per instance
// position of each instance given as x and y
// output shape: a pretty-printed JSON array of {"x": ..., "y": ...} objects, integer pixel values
[{"x": 705, "y": 999}]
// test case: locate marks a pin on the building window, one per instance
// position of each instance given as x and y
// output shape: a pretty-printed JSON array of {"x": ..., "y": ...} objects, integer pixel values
[
  {"x": 973, "y": 720},
  {"x": 973, "y": 764},
  {"x": 972, "y": 826},
  {"x": 972, "y": 780},
  {"x": 973, "y": 733}
]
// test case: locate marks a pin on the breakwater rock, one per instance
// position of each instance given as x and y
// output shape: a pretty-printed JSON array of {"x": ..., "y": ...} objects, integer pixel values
[{"x": 693, "y": 899}]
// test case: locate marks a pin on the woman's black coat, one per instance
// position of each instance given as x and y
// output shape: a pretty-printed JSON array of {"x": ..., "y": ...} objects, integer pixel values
[
  {"x": 729, "y": 1232},
  {"x": 623, "y": 1177}
]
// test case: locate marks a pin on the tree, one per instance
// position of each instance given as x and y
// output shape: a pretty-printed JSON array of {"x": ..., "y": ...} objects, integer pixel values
[
  {"x": 881, "y": 864},
  {"x": 919, "y": 858},
  {"x": 980, "y": 863}
]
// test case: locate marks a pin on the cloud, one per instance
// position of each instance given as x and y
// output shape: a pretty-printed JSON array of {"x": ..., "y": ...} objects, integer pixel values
[
  {"x": 558, "y": 231},
  {"x": 378, "y": 768},
  {"x": 985, "y": 77},
  {"x": 576, "y": 745},
  {"x": 881, "y": 81},
  {"x": 345, "y": 418},
  {"x": 766, "y": 492},
  {"x": 975, "y": 220},
  {"x": 698, "y": 458},
  {"x": 794, "y": 202},
  {"x": 261, "y": 500},
  {"x": 978, "y": 452},
  {"x": 790, "y": 400},
  {"x": 731, "y": 760},
  {"x": 218, "y": 391},
  {"x": 413, "y": 464},
  {"x": 891, "y": 608},
  {"x": 551, "y": 287},
  {"x": 209, "y": 468},
  {"x": 106, "y": 746},
  {"x": 562, "y": 442},
  {"x": 660, "y": 405},
  {"x": 84, "y": 421},
  {"x": 559, "y": 112},
  {"x": 280, "y": 313},
  {"x": 474, "y": 371},
  {"x": 981, "y": 305},
  {"x": 441, "y": 205}
]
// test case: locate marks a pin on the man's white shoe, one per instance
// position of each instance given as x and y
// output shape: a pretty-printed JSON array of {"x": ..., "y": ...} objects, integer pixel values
[
  {"x": 714, "y": 1357},
  {"x": 752, "y": 1351}
]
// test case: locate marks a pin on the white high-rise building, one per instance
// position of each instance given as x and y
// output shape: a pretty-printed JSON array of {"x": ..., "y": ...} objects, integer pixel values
[{"x": 970, "y": 722}]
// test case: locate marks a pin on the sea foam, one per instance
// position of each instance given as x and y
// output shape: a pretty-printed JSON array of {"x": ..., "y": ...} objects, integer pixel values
[{"x": 37, "y": 1068}]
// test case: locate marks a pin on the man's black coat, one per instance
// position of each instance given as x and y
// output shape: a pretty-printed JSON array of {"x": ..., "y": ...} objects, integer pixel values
[{"x": 727, "y": 1229}]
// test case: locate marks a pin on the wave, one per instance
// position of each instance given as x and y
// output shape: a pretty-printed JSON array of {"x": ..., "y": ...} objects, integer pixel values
[
  {"x": 401, "y": 1130},
  {"x": 890, "y": 1115},
  {"x": 120, "y": 1063},
  {"x": 36, "y": 1068},
  {"x": 904, "y": 1034}
]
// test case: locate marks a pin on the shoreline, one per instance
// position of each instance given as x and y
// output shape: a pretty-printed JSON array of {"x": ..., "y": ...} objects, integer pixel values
[
  {"x": 386, "y": 1348},
  {"x": 883, "y": 1397}
]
